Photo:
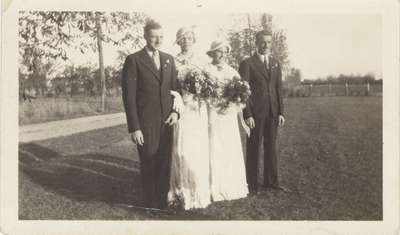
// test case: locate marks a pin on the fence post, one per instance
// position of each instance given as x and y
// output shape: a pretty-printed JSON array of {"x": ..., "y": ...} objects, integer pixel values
[
  {"x": 310, "y": 89},
  {"x": 347, "y": 88},
  {"x": 329, "y": 89},
  {"x": 368, "y": 88}
]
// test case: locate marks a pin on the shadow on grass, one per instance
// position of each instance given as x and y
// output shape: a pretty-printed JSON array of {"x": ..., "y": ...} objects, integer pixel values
[{"x": 86, "y": 177}]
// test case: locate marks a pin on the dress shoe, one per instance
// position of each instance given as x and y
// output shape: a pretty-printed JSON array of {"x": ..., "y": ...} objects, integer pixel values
[
  {"x": 277, "y": 187},
  {"x": 253, "y": 192}
]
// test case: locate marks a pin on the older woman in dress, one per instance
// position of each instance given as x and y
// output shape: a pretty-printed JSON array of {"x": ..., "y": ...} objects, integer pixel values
[
  {"x": 190, "y": 175},
  {"x": 227, "y": 167}
]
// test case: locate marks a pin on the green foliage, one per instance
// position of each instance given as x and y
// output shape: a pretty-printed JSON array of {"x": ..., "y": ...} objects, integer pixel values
[
  {"x": 242, "y": 38},
  {"x": 47, "y": 34},
  {"x": 83, "y": 80},
  {"x": 45, "y": 37}
]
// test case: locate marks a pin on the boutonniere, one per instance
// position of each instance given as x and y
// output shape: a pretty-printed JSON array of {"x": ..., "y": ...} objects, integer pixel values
[{"x": 166, "y": 63}]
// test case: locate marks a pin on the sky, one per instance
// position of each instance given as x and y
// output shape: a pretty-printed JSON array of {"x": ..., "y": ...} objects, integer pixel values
[{"x": 319, "y": 45}]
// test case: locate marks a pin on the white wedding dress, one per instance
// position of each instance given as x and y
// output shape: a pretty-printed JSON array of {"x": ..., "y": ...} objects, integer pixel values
[
  {"x": 227, "y": 163},
  {"x": 190, "y": 163}
]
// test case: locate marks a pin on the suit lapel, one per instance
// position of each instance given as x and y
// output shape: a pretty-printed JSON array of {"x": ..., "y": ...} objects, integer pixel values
[
  {"x": 270, "y": 63},
  {"x": 163, "y": 59},
  {"x": 148, "y": 62},
  {"x": 260, "y": 66},
  {"x": 273, "y": 67}
]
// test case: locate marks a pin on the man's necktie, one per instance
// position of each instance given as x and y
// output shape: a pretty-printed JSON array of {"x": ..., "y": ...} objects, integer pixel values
[
  {"x": 156, "y": 60},
  {"x": 266, "y": 62}
]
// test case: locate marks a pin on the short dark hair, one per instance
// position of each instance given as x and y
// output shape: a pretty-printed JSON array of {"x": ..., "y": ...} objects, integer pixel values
[
  {"x": 151, "y": 24},
  {"x": 263, "y": 33}
]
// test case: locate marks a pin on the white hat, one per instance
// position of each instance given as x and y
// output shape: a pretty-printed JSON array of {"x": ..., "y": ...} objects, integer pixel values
[
  {"x": 183, "y": 31},
  {"x": 218, "y": 44}
]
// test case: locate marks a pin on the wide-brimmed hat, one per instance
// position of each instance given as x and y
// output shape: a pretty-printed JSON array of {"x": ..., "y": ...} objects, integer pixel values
[
  {"x": 184, "y": 31},
  {"x": 218, "y": 44}
]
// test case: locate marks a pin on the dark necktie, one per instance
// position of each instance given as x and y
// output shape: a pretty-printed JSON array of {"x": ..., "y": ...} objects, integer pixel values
[{"x": 265, "y": 62}]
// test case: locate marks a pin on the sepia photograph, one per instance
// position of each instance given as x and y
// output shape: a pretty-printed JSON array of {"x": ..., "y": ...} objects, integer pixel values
[{"x": 202, "y": 115}]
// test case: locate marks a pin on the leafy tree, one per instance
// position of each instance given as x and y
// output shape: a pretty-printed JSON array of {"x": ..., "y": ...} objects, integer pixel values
[
  {"x": 343, "y": 78},
  {"x": 293, "y": 78},
  {"x": 48, "y": 35},
  {"x": 242, "y": 38}
]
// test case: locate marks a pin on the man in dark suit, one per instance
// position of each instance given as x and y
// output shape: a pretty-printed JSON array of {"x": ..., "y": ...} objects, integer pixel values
[
  {"x": 263, "y": 112},
  {"x": 148, "y": 76}
]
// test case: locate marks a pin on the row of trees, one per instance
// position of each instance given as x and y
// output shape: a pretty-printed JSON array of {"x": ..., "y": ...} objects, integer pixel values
[
  {"x": 294, "y": 78},
  {"x": 83, "y": 80},
  {"x": 342, "y": 79},
  {"x": 73, "y": 80},
  {"x": 45, "y": 37}
]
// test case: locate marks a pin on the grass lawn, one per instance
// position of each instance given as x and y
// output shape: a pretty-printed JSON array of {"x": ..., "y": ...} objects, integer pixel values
[
  {"x": 330, "y": 156},
  {"x": 53, "y": 109}
]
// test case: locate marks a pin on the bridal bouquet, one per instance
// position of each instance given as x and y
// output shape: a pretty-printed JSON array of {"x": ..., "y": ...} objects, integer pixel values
[
  {"x": 200, "y": 84},
  {"x": 235, "y": 92},
  {"x": 192, "y": 81},
  {"x": 210, "y": 87},
  {"x": 220, "y": 95}
]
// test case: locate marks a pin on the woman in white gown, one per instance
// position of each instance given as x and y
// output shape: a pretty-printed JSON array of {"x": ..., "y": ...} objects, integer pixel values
[
  {"x": 227, "y": 167},
  {"x": 190, "y": 168}
]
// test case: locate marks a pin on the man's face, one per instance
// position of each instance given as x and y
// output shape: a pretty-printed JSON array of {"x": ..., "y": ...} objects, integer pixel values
[
  {"x": 263, "y": 43},
  {"x": 154, "y": 39}
]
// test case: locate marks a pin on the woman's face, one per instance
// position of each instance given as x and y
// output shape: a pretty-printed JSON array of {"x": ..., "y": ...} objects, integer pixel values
[
  {"x": 187, "y": 42},
  {"x": 219, "y": 55}
]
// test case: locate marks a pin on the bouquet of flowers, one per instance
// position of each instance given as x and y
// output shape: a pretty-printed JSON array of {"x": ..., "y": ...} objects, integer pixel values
[
  {"x": 210, "y": 88},
  {"x": 200, "y": 84},
  {"x": 236, "y": 92},
  {"x": 192, "y": 81}
]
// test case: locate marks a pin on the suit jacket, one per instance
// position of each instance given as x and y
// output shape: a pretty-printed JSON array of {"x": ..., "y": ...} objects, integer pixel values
[
  {"x": 265, "y": 85},
  {"x": 146, "y": 90}
]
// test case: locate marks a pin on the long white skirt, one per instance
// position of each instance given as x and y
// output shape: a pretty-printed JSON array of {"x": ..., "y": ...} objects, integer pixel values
[
  {"x": 190, "y": 165},
  {"x": 227, "y": 166}
]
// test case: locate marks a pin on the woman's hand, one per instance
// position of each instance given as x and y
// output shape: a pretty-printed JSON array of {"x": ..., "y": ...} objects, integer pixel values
[{"x": 178, "y": 102}]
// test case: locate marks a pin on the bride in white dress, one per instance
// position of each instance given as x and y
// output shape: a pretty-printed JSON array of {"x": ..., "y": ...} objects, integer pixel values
[
  {"x": 190, "y": 166},
  {"x": 227, "y": 166}
]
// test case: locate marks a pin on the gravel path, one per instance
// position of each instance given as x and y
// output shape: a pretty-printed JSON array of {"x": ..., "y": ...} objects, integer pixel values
[{"x": 54, "y": 129}]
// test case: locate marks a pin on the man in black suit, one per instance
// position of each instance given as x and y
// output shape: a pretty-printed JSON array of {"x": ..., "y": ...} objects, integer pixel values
[
  {"x": 148, "y": 76},
  {"x": 264, "y": 111}
]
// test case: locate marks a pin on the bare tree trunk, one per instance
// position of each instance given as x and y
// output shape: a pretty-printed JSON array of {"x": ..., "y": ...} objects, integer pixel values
[{"x": 101, "y": 62}]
